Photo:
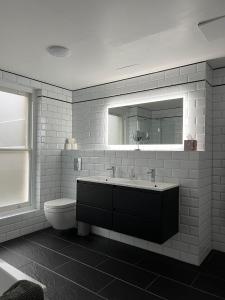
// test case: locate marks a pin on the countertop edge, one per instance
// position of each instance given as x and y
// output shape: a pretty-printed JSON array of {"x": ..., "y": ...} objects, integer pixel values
[{"x": 128, "y": 185}]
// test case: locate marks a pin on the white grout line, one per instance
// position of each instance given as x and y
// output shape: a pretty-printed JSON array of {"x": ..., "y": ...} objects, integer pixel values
[
  {"x": 60, "y": 266},
  {"x": 153, "y": 281},
  {"x": 195, "y": 278},
  {"x": 102, "y": 262},
  {"x": 108, "y": 284}
]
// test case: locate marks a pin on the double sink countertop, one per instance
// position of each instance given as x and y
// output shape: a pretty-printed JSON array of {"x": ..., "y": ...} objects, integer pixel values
[{"x": 140, "y": 184}]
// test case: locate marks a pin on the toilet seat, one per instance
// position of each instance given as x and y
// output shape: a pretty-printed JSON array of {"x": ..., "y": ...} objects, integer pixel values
[{"x": 61, "y": 204}]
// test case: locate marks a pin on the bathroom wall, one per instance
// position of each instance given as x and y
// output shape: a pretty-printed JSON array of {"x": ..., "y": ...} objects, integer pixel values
[
  {"x": 190, "y": 169},
  {"x": 178, "y": 167},
  {"x": 205, "y": 174},
  {"x": 89, "y": 117},
  {"x": 218, "y": 187},
  {"x": 53, "y": 117}
]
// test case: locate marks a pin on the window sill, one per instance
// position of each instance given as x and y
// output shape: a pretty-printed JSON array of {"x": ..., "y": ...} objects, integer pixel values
[{"x": 17, "y": 212}]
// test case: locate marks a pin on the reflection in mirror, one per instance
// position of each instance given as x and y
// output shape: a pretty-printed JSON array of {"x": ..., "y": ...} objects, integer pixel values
[{"x": 149, "y": 123}]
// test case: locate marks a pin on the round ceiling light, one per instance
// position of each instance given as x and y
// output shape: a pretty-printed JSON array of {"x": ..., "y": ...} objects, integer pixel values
[{"x": 58, "y": 51}]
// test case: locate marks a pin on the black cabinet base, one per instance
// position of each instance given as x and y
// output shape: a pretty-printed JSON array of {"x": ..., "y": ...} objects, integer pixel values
[
  {"x": 146, "y": 214},
  {"x": 94, "y": 216}
]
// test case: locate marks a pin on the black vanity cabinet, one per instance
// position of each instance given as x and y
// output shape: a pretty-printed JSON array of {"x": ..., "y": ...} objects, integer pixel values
[
  {"x": 146, "y": 214},
  {"x": 95, "y": 204}
]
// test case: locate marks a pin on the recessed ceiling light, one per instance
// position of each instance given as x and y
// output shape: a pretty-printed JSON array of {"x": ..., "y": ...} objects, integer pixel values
[{"x": 58, "y": 51}]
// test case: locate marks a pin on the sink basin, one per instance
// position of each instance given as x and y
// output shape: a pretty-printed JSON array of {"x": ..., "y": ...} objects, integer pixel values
[{"x": 144, "y": 184}]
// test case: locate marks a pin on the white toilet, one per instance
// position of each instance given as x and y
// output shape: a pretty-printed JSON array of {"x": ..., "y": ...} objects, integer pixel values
[{"x": 61, "y": 213}]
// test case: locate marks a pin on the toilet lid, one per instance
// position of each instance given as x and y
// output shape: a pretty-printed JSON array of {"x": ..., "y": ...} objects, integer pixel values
[{"x": 60, "y": 203}]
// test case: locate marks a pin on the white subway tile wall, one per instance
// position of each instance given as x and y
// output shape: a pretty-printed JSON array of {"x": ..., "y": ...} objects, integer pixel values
[
  {"x": 174, "y": 167},
  {"x": 53, "y": 121},
  {"x": 194, "y": 72},
  {"x": 192, "y": 170},
  {"x": 55, "y": 176},
  {"x": 90, "y": 117},
  {"x": 218, "y": 185}
]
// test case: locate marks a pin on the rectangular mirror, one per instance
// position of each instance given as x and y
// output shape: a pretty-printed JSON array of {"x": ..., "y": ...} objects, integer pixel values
[{"x": 152, "y": 123}]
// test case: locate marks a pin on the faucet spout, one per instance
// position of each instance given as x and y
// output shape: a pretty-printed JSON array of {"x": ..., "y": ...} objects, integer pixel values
[
  {"x": 113, "y": 169},
  {"x": 152, "y": 173}
]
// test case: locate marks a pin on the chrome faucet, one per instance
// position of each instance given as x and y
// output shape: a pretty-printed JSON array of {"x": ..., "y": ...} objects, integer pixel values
[
  {"x": 152, "y": 173},
  {"x": 113, "y": 169}
]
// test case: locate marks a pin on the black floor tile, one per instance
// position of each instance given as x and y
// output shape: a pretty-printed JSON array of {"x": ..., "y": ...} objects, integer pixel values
[
  {"x": 47, "y": 240},
  {"x": 84, "y": 275},
  {"x": 125, "y": 252},
  {"x": 119, "y": 290},
  {"x": 210, "y": 284},
  {"x": 69, "y": 235},
  {"x": 127, "y": 272},
  {"x": 70, "y": 279},
  {"x": 41, "y": 255},
  {"x": 83, "y": 254},
  {"x": 58, "y": 288},
  {"x": 12, "y": 258},
  {"x": 93, "y": 242},
  {"x": 214, "y": 264},
  {"x": 112, "y": 248},
  {"x": 169, "y": 267},
  {"x": 176, "y": 291},
  {"x": 106, "y": 246}
]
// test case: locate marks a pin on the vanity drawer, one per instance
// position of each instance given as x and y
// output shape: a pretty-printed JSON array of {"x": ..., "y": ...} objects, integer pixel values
[
  {"x": 137, "y": 202},
  {"x": 94, "y": 216},
  {"x": 94, "y": 194},
  {"x": 135, "y": 226}
]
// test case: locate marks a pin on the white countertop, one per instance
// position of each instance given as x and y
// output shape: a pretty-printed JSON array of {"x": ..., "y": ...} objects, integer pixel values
[{"x": 141, "y": 184}]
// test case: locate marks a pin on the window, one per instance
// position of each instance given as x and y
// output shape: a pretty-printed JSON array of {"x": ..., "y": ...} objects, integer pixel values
[{"x": 15, "y": 149}]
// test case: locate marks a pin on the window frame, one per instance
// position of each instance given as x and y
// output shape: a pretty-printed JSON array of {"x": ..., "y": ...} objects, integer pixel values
[{"x": 28, "y": 149}]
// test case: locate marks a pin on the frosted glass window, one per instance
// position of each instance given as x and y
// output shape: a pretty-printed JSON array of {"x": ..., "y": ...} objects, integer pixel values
[
  {"x": 14, "y": 149},
  {"x": 14, "y": 177},
  {"x": 13, "y": 120}
]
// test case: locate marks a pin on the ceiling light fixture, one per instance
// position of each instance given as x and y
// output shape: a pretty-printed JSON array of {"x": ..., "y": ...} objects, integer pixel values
[{"x": 59, "y": 51}]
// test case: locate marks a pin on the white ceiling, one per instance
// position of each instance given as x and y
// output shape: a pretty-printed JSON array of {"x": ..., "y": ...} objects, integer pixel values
[{"x": 104, "y": 36}]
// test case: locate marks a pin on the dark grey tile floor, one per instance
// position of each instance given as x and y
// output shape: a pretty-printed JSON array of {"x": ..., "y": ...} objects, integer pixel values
[{"x": 76, "y": 268}]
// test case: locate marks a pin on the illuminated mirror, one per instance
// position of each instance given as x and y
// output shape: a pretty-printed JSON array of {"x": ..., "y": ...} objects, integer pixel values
[{"x": 152, "y": 123}]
